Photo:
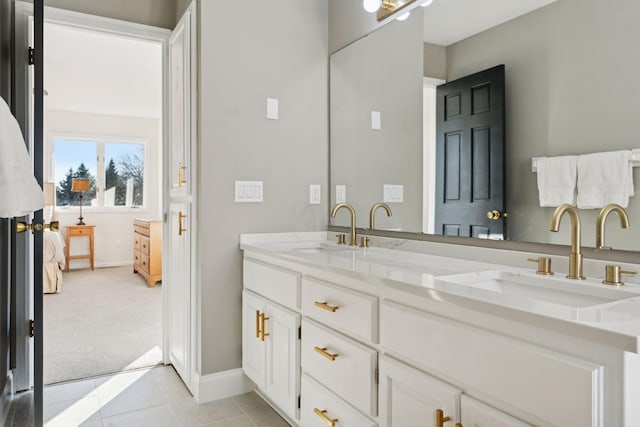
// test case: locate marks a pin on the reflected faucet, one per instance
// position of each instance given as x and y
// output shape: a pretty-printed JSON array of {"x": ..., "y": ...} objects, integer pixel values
[
  {"x": 352, "y": 232},
  {"x": 602, "y": 217},
  {"x": 372, "y": 212},
  {"x": 575, "y": 259}
]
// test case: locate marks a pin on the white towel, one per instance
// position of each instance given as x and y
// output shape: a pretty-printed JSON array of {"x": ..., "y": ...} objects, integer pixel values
[
  {"x": 557, "y": 180},
  {"x": 20, "y": 193},
  {"x": 605, "y": 178}
]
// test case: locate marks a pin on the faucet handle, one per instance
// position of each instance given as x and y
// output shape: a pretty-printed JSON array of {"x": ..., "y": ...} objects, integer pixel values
[
  {"x": 341, "y": 238},
  {"x": 613, "y": 275},
  {"x": 364, "y": 241},
  {"x": 544, "y": 265}
]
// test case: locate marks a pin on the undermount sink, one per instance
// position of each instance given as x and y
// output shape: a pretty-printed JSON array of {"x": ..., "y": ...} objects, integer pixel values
[
  {"x": 554, "y": 295},
  {"x": 319, "y": 247}
]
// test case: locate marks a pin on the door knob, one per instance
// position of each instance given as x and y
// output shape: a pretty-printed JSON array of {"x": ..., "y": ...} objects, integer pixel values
[
  {"x": 496, "y": 215},
  {"x": 21, "y": 227}
]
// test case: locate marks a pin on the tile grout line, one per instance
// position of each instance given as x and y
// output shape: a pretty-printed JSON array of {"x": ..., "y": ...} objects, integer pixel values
[{"x": 243, "y": 411}]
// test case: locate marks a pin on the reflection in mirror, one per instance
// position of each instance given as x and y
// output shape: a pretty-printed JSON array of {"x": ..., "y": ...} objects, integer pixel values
[{"x": 571, "y": 85}]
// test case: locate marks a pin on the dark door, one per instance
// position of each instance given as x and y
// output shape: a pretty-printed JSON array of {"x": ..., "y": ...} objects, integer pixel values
[{"x": 470, "y": 145}]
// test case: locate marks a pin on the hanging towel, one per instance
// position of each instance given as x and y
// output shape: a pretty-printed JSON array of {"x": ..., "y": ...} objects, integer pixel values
[
  {"x": 20, "y": 193},
  {"x": 605, "y": 178},
  {"x": 557, "y": 180}
]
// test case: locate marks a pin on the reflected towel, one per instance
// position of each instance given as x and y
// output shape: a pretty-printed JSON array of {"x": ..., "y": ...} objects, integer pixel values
[
  {"x": 605, "y": 178},
  {"x": 20, "y": 193},
  {"x": 557, "y": 180}
]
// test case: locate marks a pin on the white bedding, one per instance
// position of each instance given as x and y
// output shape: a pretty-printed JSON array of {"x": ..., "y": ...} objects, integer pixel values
[{"x": 53, "y": 261}]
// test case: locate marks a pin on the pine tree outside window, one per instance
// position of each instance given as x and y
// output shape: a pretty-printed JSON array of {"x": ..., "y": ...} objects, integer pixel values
[{"x": 115, "y": 169}]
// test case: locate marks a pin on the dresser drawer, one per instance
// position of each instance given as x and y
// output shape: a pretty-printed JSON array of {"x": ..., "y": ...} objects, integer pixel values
[
  {"x": 318, "y": 405},
  {"x": 349, "y": 311},
  {"x": 554, "y": 388},
  {"x": 351, "y": 373},
  {"x": 136, "y": 258},
  {"x": 136, "y": 242},
  {"x": 144, "y": 245},
  {"x": 144, "y": 262},
  {"x": 277, "y": 284},
  {"x": 78, "y": 231}
]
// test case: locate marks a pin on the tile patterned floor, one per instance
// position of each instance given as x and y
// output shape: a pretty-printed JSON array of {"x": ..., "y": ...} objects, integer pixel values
[{"x": 149, "y": 397}]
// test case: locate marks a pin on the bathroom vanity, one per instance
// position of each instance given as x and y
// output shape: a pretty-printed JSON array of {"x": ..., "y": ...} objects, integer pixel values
[{"x": 398, "y": 335}]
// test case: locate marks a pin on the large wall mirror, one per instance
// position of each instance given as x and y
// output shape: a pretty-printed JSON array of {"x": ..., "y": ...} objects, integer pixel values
[{"x": 571, "y": 87}]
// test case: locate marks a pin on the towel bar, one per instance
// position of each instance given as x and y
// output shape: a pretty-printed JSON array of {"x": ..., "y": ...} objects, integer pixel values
[{"x": 635, "y": 160}]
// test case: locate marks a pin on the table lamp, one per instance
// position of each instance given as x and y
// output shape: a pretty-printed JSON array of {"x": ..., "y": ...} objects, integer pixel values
[{"x": 80, "y": 185}]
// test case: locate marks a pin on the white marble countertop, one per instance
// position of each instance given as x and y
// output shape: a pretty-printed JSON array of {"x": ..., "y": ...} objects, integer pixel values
[{"x": 589, "y": 303}]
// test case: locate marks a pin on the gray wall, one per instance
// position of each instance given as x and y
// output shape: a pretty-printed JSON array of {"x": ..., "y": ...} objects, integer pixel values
[
  {"x": 348, "y": 22},
  {"x": 181, "y": 6},
  {"x": 158, "y": 13},
  {"x": 363, "y": 79},
  {"x": 277, "y": 50},
  {"x": 435, "y": 61},
  {"x": 572, "y": 87}
]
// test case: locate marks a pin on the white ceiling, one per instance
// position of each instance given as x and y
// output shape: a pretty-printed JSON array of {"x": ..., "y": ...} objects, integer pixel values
[
  {"x": 449, "y": 21},
  {"x": 95, "y": 72}
]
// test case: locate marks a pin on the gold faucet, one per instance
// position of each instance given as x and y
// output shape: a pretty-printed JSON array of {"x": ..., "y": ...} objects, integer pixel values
[
  {"x": 352, "y": 232},
  {"x": 575, "y": 259},
  {"x": 602, "y": 217},
  {"x": 372, "y": 212}
]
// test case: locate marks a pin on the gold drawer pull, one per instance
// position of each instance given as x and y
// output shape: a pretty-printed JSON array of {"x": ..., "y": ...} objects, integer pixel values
[
  {"x": 257, "y": 323},
  {"x": 323, "y": 305},
  {"x": 263, "y": 334},
  {"x": 181, "y": 169},
  {"x": 323, "y": 415},
  {"x": 181, "y": 228},
  {"x": 322, "y": 351}
]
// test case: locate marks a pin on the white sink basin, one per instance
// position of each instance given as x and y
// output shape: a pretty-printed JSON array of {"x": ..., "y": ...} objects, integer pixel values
[
  {"x": 548, "y": 294},
  {"x": 319, "y": 247}
]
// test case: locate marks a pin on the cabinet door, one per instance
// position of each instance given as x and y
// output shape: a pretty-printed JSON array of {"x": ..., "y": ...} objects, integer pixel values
[
  {"x": 476, "y": 414},
  {"x": 179, "y": 290},
  {"x": 411, "y": 398},
  {"x": 253, "y": 349},
  {"x": 282, "y": 358}
]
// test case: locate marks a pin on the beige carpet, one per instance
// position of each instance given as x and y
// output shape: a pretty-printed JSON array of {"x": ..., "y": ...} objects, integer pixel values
[{"x": 103, "y": 321}]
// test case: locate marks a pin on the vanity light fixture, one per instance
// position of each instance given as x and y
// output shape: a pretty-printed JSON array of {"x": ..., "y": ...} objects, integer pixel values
[{"x": 386, "y": 8}]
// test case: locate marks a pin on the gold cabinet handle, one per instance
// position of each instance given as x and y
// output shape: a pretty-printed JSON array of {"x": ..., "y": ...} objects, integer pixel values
[
  {"x": 323, "y": 305},
  {"x": 263, "y": 318},
  {"x": 440, "y": 418},
  {"x": 181, "y": 168},
  {"x": 322, "y": 351},
  {"x": 257, "y": 323},
  {"x": 496, "y": 215},
  {"x": 181, "y": 228},
  {"x": 323, "y": 415}
]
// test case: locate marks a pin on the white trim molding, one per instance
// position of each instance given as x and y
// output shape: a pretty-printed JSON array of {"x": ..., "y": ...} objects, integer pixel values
[{"x": 220, "y": 385}]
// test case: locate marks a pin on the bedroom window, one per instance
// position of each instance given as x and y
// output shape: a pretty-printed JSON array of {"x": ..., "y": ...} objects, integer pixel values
[{"x": 115, "y": 170}]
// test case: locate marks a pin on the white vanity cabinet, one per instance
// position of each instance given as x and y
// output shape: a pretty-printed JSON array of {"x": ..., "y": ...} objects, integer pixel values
[{"x": 477, "y": 414}]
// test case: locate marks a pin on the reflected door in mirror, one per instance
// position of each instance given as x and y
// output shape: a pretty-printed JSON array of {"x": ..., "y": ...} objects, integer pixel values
[{"x": 470, "y": 156}]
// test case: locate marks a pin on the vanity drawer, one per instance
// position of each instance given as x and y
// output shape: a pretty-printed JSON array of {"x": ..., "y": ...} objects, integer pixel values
[
  {"x": 144, "y": 245},
  {"x": 314, "y": 398},
  {"x": 349, "y": 311},
  {"x": 555, "y": 389},
  {"x": 136, "y": 242},
  {"x": 351, "y": 373},
  {"x": 277, "y": 284}
]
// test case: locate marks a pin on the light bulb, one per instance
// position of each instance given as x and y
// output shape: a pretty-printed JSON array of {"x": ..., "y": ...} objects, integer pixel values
[
  {"x": 403, "y": 17},
  {"x": 427, "y": 3},
  {"x": 371, "y": 5}
]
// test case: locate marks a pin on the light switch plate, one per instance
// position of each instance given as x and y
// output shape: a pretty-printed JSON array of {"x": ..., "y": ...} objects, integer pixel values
[
  {"x": 376, "y": 120},
  {"x": 314, "y": 194},
  {"x": 249, "y": 192},
  {"x": 272, "y": 108},
  {"x": 341, "y": 193},
  {"x": 393, "y": 193}
]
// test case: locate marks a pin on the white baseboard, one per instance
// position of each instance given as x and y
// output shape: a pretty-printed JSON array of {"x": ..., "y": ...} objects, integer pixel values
[
  {"x": 113, "y": 264},
  {"x": 221, "y": 385}
]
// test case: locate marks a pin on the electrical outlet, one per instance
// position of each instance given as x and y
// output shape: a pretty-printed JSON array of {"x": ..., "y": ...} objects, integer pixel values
[
  {"x": 393, "y": 193},
  {"x": 249, "y": 191},
  {"x": 314, "y": 194}
]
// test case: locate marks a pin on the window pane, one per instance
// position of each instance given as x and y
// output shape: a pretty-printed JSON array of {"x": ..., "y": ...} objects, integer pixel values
[
  {"x": 74, "y": 159},
  {"x": 124, "y": 174}
]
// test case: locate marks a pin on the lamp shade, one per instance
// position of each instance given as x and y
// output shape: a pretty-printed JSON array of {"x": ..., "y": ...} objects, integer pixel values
[
  {"x": 20, "y": 193},
  {"x": 80, "y": 185}
]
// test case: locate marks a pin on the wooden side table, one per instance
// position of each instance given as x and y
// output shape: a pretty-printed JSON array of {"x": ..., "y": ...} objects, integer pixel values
[{"x": 79, "y": 231}]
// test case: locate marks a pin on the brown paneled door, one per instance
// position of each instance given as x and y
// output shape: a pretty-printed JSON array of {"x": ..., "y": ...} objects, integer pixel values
[{"x": 470, "y": 144}]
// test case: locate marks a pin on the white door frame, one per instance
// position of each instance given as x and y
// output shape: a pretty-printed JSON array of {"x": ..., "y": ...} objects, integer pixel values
[{"x": 138, "y": 32}]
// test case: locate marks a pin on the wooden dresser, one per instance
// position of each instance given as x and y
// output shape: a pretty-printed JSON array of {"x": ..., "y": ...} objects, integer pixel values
[{"x": 147, "y": 250}]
